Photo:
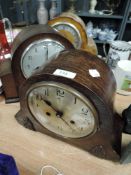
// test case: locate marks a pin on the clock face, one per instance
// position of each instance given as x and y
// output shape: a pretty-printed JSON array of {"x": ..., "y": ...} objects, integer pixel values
[
  {"x": 62, "y": 110},
  {"x": 70, "y": 32},
  {"x": 38, "y": 53}
]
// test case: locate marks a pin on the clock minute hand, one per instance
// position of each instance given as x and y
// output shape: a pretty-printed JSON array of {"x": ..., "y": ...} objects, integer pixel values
[
  {"x": 58, "y": 113},
  {"x": 67, "y": 123}
]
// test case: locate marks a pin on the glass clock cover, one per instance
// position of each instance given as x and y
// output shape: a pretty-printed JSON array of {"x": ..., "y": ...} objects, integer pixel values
[
  {"x": 37, "y": 54},
  {"x": 71, "y": 32}
]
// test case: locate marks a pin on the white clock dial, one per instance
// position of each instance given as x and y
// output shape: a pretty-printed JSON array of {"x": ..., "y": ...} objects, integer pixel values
[
  {"x": 62, "y": 109},
  {"x": 71, "y": 32},
  {"x": 37, "y": 54}
]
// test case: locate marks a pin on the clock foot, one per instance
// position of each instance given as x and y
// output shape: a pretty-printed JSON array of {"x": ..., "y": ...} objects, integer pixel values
[
  {"x": 24, "y": 121},
  {"x": 105, "y": 152}
]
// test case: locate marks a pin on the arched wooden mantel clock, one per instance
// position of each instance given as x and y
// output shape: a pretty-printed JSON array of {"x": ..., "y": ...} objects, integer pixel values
[
  {"x": 71, "y": 99},
  {"x": 73, "y": 28},
  {"x": 33, "y": 47}
]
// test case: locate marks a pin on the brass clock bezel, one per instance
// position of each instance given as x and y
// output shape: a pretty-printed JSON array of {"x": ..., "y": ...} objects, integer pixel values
[
  {"x": 71, "y": 91},
  {"x": 72, "y": 26}
]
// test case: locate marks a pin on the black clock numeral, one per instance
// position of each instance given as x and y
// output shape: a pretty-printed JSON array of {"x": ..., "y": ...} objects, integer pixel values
[
  {"x": 75, "y": 100},
  {"x": 36, "y": 50},
  {"x": 38, "y": 97},
  {"x": 60, "y": 128},
  {"x": 84, "y": 111},
  {"x": 37, "y": 105},
  {"x": 46, "y": 92},
  {"x": 28, "y": 66},
  {"x": 29, "y": 57},
  {"x": 60, "y": 93}
]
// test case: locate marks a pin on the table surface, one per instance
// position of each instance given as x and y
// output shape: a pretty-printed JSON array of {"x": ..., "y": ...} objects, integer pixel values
[{"x": 32, "y": 150}]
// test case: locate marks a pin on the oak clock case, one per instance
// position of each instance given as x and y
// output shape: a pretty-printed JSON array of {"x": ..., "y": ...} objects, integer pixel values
[
  {"x": 73, "y": 28},
  {"x": 71, "y": 99},
  {"x": 33, "y": 47}
]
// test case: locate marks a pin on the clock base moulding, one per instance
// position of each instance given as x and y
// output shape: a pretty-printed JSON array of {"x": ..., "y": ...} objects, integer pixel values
[{"x": 96, "y": 147}]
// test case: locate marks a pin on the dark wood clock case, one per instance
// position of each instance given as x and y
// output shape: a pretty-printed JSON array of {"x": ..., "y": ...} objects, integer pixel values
[
  {"x": 100, "y": 90},
  {"x": 24, "y": 39}
]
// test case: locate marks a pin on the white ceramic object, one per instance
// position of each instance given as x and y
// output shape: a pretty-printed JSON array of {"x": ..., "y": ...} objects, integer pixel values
[
  {"x": 89, "y": 29},
  {"x": 102, "y": 35},
  {"x": 123, "y": 77},
  {"x": 42, "y": 13},
  {"x": 7, "y": 29},
  {"x": 93, "y": 4},
  {"x": 119, "y": 50},
  {"x": 53, "y": 9}
]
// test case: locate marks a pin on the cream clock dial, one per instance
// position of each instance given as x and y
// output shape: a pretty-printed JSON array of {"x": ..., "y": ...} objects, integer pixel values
[
  {"x": 62, "y": 109},
  {"x": 70, "y": 31}
]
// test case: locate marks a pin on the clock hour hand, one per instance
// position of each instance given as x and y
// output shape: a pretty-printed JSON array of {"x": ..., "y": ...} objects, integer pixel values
[{"x": 59, "y": 114}]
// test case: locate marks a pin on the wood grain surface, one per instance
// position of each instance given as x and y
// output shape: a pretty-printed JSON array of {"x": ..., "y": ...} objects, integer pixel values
[{"x": 32, "y": 150}]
